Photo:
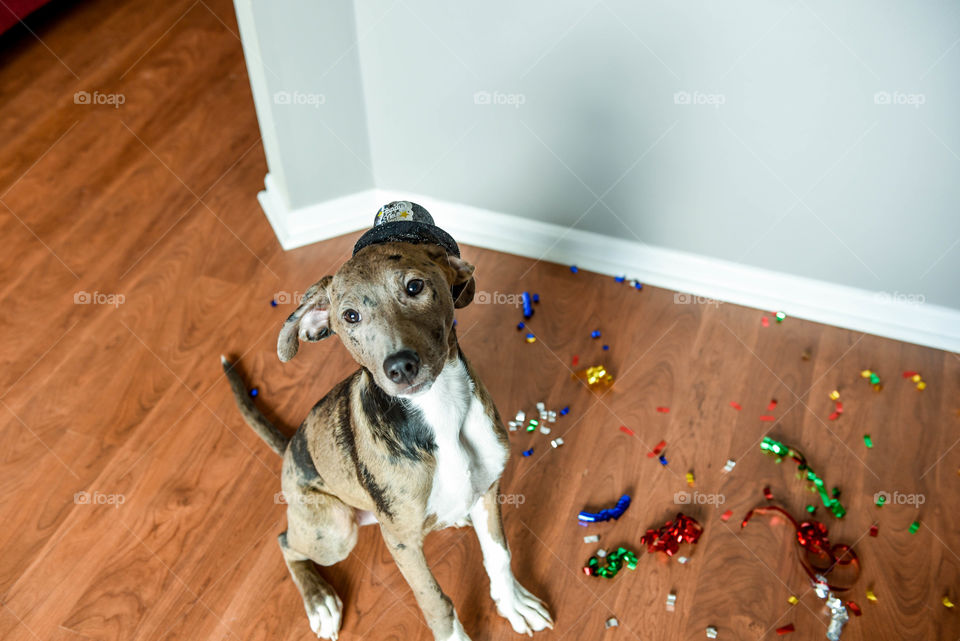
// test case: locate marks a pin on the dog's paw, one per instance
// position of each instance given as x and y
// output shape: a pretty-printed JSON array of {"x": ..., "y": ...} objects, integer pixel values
[
  {"x": 526, "y": 613},
  {"x": 324, "y": 611}
]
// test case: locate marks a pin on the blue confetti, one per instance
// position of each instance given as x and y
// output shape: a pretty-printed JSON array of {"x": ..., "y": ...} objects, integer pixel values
[
  {"x": 574, "y": 269},
  {"x": 527, "y": 307},
  {"x": 536, "y": 298},
  {"x": 565, "y": 411},
  {"x": 254, "y": 391},
  {"x": 595, "y": 333},
  {"x": 619, "y": 279},
  {"x": 638, "y": 285},
  {"x": 273, "y": 303},
  {"x": 607, "y": 514},
  {"x": 663, "y": 460},
  {"x": 520, "y": 326},
  {"x": 528, "y": 452},
  {"x": 606, "y": 348}
]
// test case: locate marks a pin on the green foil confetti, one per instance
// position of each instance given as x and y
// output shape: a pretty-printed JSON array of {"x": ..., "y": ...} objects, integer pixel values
[
  {"x": 914, "y": 527},
  {"x": 868, "y": 441},
  {"x": 782, "y": 451}
]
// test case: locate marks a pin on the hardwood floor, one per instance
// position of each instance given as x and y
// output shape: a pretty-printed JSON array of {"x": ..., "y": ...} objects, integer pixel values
[{"x": 154, "y": 202}]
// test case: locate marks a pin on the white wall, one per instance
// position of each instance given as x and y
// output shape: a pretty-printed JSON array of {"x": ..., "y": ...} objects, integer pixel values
[
  {"x": 798, "y": 170},
  {"x": 305, "y": 75},
  {"x": 785, "y": 154}
]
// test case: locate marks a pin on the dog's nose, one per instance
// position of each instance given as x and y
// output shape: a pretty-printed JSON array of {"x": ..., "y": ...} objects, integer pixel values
[{"x": 402, "y": 367}]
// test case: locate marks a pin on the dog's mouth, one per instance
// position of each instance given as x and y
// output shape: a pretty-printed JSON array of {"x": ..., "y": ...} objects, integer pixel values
[{"x": 415, "y": 389}]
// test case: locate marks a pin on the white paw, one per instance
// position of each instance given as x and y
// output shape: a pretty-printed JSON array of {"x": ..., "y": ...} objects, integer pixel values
[
  {"x": 324, "y": 612},
  {"x": 526, "y": 613}
]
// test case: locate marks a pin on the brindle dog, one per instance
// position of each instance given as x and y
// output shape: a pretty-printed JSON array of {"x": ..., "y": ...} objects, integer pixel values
[{"x": 412, "y": 440}]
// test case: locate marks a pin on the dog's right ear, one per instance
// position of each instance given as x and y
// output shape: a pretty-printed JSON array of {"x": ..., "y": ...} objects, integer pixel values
[{"x": 311, "y": 321}]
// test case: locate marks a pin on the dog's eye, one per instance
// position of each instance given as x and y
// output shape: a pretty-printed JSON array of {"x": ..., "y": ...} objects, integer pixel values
[
  {"x": 415, "y": 286},
  {"x": 351, "y": 316}
]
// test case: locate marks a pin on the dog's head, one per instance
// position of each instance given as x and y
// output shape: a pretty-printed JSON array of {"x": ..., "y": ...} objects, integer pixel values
[{"x": 392, "y": 306}]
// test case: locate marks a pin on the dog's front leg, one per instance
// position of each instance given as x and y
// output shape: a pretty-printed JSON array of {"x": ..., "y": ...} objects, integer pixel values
[
  {"x": 525, "y": 612},
  {"x": 407, "y": 551}
]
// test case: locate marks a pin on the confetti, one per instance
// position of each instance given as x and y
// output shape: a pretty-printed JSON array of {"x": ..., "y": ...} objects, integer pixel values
[
  {"x": 576, "y": 359},
  {"x": 730, "y": 465},
  {"x": 606, "y": 348},
  {"x": 854, "y": 608},
  {"x": 668, "y": 537},
  {"x": 528, "y": 452},
  {"x": 619, "y": 279},
  {"x": 787, "y": 629},
  {"x": 735, "y": 405},
  {"x": 557, "y": 442},
  {"x": 663, "y": 459},
  {"x": 871, "y": 596},
  {"x": 611, "y": 623},
  {"x": 595, "y": 333},
  {"x": 606, "y": 514},
  {"x": 254, "y": 391},
  {"x": 768, "y": 418},
  {"x": 663, "y": 410},
  {"x": 765, "y": 321},
  {"x": 771, "y": 405},
  {"x": 767, "y": 493},
  {"x": 834, "y": 395},
  {"x": 726, "y": 515},
  {"x": 867, "y": 441},
  {"x": 273, "y": 303},
  {"x": 520, "y": 326},
  {"x": 531, "y": 338},
  {"x": 657, "y": 449},
  {"x": 565, "y": 410},
  {"x": 536, "y": 298},
  {"x": 712, "y": 632},
  {"x": 672, "y": 602},
  {"x": 527, "y": 305},
  {"x": 782, "y": 451},
  {"x": 573, "y": 268},
  {"x": 946, "y": 601},
  {"x": 690, "y": 479},
  {"x": 613, "y": 563},
  {"x": 874, "y": 530},
  {"x": 914, "y": 527},
  {"x": 626, "y": 430},
  {"x": 596, "y": 376},
  {"x": 780, "y": 316},
  {"x": 793, "y": 600},
  {"x": 593, "y": 538}
]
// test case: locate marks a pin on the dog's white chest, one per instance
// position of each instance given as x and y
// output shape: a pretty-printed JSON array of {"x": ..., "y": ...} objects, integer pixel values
[{"x": 469, "y": 456}]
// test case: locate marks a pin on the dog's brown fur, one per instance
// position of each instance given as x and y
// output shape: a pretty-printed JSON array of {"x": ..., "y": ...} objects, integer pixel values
[{"x": 362, "y": 449}]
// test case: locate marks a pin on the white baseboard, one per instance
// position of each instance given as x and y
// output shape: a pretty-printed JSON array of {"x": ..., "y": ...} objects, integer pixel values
[{"x": 849, "y": 307}]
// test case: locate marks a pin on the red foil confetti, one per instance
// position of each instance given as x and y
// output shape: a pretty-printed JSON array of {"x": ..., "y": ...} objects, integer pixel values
[
  {"x": 663, "y": 410},
  {"x": 767, "y": 493},
  {"x": 682, "y": 529},
  {"x": 656, "y": 451},
  {"x": 765, "y": 321},
  {"x": 771, "y": 405},
  {"x": 768, "y": 417},
  {"x": 626, "y": 430},
  {"x": 834, "y": 416},
  {"x": 787, "y": 629},
  {"x": 576, "y": 360},
  {"x": 726, "y": 516},
  {"x": 874, "y": 530},
  {"x": 735, "y": 405},
  {"x": 910, "y": 374},
  {"x": 853, "y": 607}
]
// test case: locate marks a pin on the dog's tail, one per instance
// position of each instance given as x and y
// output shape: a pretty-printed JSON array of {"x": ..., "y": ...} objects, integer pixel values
[{"x": 253, "y": 416}]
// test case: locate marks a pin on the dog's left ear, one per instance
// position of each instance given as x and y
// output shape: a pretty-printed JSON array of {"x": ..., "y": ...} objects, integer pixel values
[
  {"x": 311, "y": 321},
  {"x": 462, "y": 283}
]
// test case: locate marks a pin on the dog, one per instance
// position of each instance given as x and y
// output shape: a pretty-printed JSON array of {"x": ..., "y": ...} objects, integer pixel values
[{"x": 412, "y": 440}]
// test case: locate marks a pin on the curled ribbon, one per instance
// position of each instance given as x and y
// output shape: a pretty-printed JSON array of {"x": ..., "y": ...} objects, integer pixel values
[
  {"x": 682, "y": 529},
  {"x": 817, "y": 556}
]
